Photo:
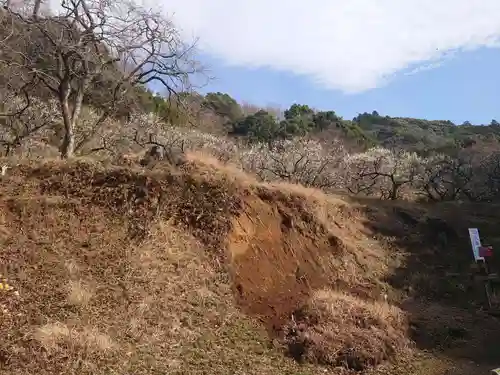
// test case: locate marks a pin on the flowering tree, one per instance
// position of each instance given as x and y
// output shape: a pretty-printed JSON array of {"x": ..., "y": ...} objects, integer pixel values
[
  {"x": 444, "y": 178},
  {"x": 472, "y": 174},
  {"x": 23, "y": 124},
  {"x": 298, "y": 160},
  {"x": 380, "y": 171},
  {"x": 147, "y": 130}
]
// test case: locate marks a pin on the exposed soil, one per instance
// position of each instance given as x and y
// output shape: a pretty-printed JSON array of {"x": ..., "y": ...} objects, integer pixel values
[{"x": 277, "y": 259}]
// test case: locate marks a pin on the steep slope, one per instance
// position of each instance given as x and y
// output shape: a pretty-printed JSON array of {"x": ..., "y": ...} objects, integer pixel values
[{"x": 126, "y": 270}]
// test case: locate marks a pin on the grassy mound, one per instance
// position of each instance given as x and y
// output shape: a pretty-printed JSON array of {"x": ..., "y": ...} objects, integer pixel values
[
  {"x": 204, "y": 270},
  {"x": 93, "y": 295},
  {"x": 339, "y": 330}
]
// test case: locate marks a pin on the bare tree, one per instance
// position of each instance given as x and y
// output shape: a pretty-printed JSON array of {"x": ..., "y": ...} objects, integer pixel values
[
  {"x": 91, "y": 41},
  {"x": 493, "y": 176},
  {"x": 483, "y": 161}
]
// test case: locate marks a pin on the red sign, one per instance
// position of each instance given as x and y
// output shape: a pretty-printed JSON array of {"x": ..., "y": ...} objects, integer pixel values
[{"x": 486, "y": 251}]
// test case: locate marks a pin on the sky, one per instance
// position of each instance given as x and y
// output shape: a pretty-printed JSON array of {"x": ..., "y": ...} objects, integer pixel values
[{"x": 434, "y": 59}]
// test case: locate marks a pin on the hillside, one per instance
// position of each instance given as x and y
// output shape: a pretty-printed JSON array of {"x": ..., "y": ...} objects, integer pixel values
[
  {"x": 204, "y": 270},
  {"x": 425, "y": 136}
]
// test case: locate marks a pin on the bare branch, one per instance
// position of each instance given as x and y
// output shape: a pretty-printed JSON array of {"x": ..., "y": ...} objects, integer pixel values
[{"x": 94, "y": 41}]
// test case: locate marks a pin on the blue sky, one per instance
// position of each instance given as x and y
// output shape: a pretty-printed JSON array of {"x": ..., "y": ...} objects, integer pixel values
[
  {"x": 464, "y": 88},
  {"x": 417, "y": 58}
]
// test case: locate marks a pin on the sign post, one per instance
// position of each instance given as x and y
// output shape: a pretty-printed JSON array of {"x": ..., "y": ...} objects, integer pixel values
[
  {"x": 480, "y": 254},
  {"x": 476, "y": 244}
]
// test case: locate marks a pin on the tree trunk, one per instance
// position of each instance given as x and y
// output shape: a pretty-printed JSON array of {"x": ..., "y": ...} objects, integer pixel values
[
  {"x": 36, "y": 8},
  {"x": 393, "y": 195},
  {"x": 70, "y": 118},
  {"x": 68, "y": 144}
]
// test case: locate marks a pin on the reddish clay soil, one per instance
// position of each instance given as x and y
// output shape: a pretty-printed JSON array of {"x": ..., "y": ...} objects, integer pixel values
[{"x": 276, "y": 259}]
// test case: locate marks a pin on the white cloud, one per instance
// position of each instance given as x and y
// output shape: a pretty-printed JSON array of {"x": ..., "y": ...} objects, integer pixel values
[
  {"x": 423, "y": 68},
  {"x": 351, "y": 45}
]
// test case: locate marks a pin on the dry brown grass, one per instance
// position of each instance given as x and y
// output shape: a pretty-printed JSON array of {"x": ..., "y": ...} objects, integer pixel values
[
  {"x": 94, "y": 302},
  {"x": 340, "y": 330},
  {"x": 211, "y": 167},
  {"x": 59, "y": 337},
  {"x": 78, "y": 294},
  {"x": 125, "y": 270}
]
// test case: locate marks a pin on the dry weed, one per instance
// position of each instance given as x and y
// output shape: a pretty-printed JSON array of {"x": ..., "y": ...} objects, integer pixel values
[
  {"x": 58, "y": 336},
  {"x": 78, "y": 294},
  {"x": 337, "y": 329}
]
